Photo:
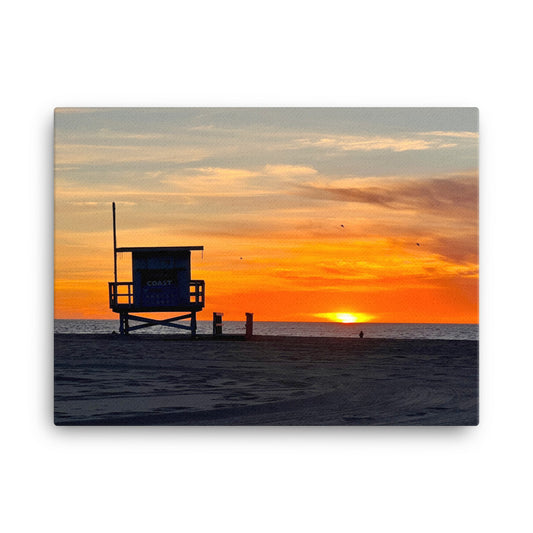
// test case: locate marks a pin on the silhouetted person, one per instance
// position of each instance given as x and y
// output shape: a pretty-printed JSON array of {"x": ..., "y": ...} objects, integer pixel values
[{"x": 361, "y": 334}]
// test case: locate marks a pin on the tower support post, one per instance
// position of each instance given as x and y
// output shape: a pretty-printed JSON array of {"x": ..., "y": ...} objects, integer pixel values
[
  {"x": 146, "y": 322},
  {"x": 193, "y": 324},
  {"x": 124, "y": 328}
]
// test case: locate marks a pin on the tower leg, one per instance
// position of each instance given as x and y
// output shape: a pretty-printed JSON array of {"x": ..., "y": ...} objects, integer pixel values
[
  {"x": 124, "y": 324},
  {"x": 193, "y": 324}
]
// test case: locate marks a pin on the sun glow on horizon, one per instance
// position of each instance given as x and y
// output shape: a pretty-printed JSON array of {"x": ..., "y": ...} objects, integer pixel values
[{"x": 345, "y": 317}]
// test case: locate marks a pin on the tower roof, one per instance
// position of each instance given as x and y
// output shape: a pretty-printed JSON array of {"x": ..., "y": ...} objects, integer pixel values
[{"x": 156, "y": 249}]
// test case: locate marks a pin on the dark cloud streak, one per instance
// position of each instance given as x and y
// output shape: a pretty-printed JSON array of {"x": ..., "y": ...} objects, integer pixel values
[{"x": 456, "y": 193}]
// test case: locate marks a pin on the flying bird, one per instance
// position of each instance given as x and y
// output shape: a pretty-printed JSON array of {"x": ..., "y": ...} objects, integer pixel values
[
  {"x": 418, "y": 244},
  {"x": 342, "y": 225}
]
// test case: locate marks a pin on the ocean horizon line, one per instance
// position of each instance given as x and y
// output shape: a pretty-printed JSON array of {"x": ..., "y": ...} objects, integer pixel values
[
  {"x": 302, "y": 322},
  {"x": 391, "y": 330}
]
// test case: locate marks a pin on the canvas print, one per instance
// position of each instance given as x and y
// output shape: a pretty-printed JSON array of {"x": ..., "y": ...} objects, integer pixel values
[{"x": 266, "y": 266}]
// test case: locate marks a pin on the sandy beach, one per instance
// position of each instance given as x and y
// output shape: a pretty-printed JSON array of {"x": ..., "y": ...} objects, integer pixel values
[{"x": 173, "y": 380}]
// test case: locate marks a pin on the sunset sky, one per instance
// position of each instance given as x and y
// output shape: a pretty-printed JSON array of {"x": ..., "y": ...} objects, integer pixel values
[{"x": 304, "y": 213}]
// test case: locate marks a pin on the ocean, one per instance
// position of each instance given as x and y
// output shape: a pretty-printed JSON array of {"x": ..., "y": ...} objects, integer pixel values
[{"x": 293, "y": 329}]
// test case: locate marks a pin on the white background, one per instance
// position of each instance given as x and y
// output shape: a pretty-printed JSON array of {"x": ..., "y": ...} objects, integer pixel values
[{"x": 381, "y": 53}]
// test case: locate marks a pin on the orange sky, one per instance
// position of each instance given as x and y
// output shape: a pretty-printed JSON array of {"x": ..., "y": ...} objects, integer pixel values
[{"x": 301, "y": 212}]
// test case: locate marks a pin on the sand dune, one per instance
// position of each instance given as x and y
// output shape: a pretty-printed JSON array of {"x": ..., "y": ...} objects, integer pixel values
[{"x": 173, "y": 380}]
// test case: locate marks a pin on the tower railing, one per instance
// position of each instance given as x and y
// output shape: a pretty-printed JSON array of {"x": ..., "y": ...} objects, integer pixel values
[
  {"x": 118, "y": 297},
  {"x": 121, "y": 294}
]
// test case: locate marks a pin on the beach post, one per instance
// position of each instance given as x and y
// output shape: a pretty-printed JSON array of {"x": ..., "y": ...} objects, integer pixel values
[
  {"x": 217, "y": 324},
  {"x": 249, "y": 325}
]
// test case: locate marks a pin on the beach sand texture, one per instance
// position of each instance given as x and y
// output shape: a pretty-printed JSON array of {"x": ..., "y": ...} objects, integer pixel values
[{"x": 174, "y": 380}]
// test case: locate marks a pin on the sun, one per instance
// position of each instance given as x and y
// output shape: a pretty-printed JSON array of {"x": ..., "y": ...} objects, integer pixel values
[{"x": 346, "y": 318}]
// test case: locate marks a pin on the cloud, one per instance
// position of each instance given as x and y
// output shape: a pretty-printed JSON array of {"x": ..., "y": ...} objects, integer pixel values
[
  {"x": 97, "y": 154},
  {"x": 213, "y": 182},
  {"x": 237, "y": 182},
  {"x": 458, "y": 193},
  {"x": 289, "y": 171},
  {"x": 107, "y": 134},
  {"x": 456, "y": 134},
  {"x": 370, "y": 143},
  {"x": 228, "y": 174},
  {"x": 461, "y": 249},
  {"x": 102, "y": 203}
]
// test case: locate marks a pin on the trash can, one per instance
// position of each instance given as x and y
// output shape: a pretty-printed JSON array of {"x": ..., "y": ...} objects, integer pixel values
[{"x": 217, "y": 324}]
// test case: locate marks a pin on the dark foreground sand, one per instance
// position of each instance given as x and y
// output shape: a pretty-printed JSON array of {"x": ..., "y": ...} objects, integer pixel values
[{"x": 173, "y": 380}]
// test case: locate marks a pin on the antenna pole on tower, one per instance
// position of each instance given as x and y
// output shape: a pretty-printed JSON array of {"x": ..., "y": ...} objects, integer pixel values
[{"x": 115, "y": 242}]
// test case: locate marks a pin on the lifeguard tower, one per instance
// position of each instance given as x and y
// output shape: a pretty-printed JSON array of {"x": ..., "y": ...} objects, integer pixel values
[{"x": 161, "y": 282}]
